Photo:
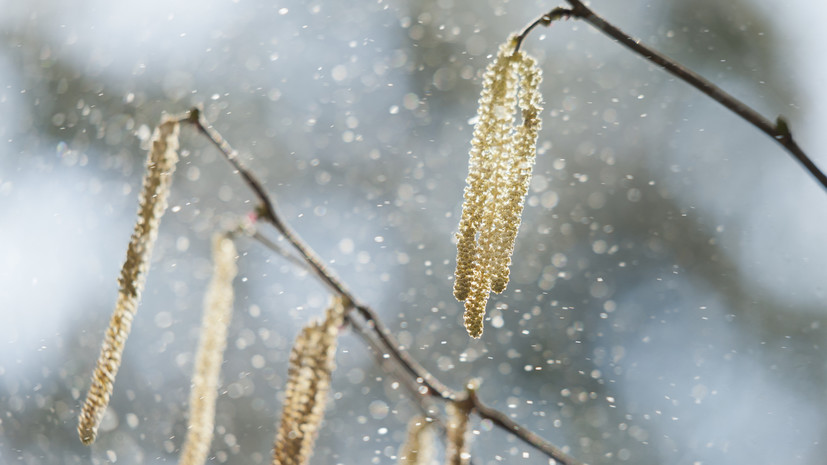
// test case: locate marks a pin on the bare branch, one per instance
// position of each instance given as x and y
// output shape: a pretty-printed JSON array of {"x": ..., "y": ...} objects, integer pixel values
[
  {"x": 283, "y": 252},
  {"x": 779, "y": 131},
  {"x": 270, "y": 214},
  {"x": 384, "y": 341},
  {"x": 500, "y": 419}
]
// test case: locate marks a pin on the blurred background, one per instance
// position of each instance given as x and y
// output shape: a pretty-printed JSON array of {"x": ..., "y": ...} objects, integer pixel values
[{"x": 668, "y": 286}]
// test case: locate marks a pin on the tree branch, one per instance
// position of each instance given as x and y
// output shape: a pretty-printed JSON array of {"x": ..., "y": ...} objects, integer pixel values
[
  {"x": 384, "y": 342},
  {"x": 286, "y": 254},
  {"x": 779, "y": 130},
  {"x": 500, "y": 419},
  {"x": 427, "y": 382},
  {"x": 270, "y": 214}
]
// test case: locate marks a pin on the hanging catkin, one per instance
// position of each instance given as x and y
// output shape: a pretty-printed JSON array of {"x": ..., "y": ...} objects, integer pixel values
[
  {"x": 218, "y": 306},
  {"x": 152, "y": 203},
  {"x": 418, "y": 448},
  {"x": 499, "y": 172},
  {"x": 312, "y": 360}
]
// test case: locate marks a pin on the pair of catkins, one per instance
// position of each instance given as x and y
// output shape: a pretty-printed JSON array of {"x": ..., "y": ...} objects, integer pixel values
[{"x": 499, "y": 172}]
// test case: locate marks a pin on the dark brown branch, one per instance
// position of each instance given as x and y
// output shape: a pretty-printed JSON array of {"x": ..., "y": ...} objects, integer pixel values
[
  {"x": 425, "y": 403},
  {"x": 779, "y": 131},
  {"x": 376, "y": 347},
  {"x": 500, "y": 419},
  {"x": 385, "y": 342},
  {"x": 270, "y": 214}
]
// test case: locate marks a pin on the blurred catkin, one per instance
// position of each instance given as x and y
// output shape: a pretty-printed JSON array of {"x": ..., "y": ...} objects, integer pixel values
[
  {"x": 499, "y": 172},
  {"x": 418, "y": 448},
  {"x": 152, "y": 203},
  {"x": 312, "y": 360},
  {"x": 456, "y": 447},
  {"x": 218, "y": 306}
]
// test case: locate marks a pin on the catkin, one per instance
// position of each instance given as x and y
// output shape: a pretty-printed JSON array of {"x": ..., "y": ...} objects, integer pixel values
[
  {"x": 418, "y": 446},
  {"x": 218, "y": 305},
  {"x": 499, "y": 172},
  {"x": 494, "y": 117},
  {"x": 514, "y": 186},
  {"x": 152, "y": 203},
  {"x": 456, "y": 448},
  {"x": 312, "y": 360}
]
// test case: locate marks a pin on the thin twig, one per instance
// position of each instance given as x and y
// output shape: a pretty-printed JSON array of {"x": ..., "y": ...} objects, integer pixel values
[
  {"x": 423, "y": 376},
  {"x": 429, "y": 384},
  {"x": 376, "y": 347},
  {"x": 270, "y": 214},
  {"x": 500, "y": 419},
  {"x": 779, "y": 131},
  {"x": 545, "y": 20},
  {"x": 280, "y": 250},
  {"x": 425, "y": 403}
]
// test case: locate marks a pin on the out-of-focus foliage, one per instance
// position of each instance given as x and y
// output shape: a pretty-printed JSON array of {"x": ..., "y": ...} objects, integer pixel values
[{"x": 667, "y": 289}]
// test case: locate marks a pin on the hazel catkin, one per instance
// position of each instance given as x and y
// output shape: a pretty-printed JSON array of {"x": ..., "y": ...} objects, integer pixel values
[
  {"x": 499, "y": 172},
  {"x": 312, "y": 361},
  {"x": 152, "y": 203},
  {"x": 218, "y": 307}
]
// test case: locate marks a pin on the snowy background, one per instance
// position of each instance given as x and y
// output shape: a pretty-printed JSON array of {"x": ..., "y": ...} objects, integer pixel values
[{"x": 667, "y": 300}]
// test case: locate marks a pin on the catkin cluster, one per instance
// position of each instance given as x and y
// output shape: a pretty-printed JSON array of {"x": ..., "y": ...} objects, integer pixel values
[
  {"x": 499, "y": 172},
  {"x": 418, "y": 448},
  {"x": 218, "y": 306},
  {"x": 152, "y": 204},
  {"x": 312, "y": 360}
]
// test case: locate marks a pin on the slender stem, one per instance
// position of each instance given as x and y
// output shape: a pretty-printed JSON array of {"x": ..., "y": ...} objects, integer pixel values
[
  {"x": 424, "y": 403},
  {"x": 270, "y": 214},
  {"x": 545, "y": 20},
  {"x": 377, "y": 348},
  {"x": 500, "y": 419},
  {"x": 277, "y": 248},
  {"x": 385, "y": 342},
  {"x": 198, "y": 119},
  {"x": 779, "y": 130}
]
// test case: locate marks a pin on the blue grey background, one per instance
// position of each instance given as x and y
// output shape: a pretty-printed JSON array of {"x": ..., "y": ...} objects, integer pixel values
[{"x": 667, "y": 299}]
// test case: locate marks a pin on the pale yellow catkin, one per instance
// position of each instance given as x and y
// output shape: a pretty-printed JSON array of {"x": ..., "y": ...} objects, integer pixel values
[
  {"x": 513, "y": 187},
  {"x": 152, "y": 203},
  {"x": 218, "y": 306},
  {"x": 494, "y": 117},
  {"x": 312, "y": 361},
  {"x": 499, "y": 172},
  {"x": 456, "y": 447},
  {"x": 418, "y": 448}
]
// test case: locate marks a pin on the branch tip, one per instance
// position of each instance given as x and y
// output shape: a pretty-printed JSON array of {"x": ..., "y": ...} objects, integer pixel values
[
  {"x": 544, "y": 20},
  {"x": 778, "y": 131}
]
